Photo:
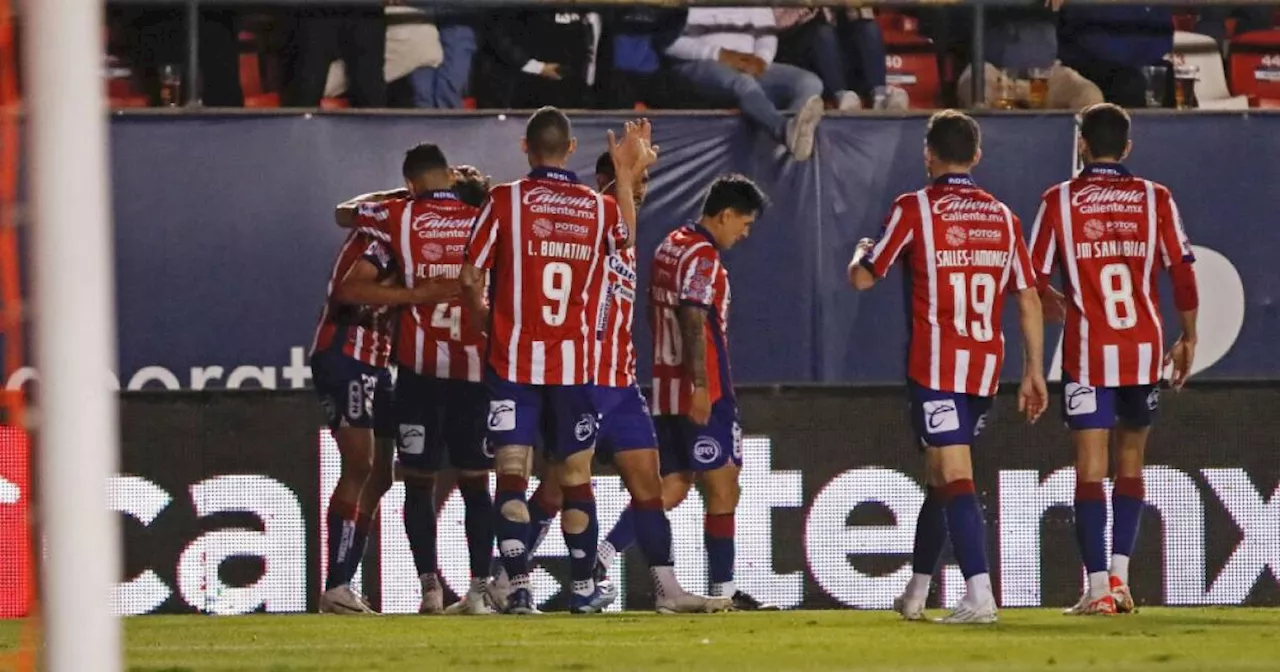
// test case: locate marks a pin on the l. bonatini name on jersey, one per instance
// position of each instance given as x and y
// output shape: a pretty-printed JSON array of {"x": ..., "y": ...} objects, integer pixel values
[{"x": 1097, "y": 199}]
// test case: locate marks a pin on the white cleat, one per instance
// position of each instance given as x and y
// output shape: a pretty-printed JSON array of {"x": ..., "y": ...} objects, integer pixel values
[
  {"x": 474, "y": 603},
  {"x": 345, "y": 601},
  {"x": 1079, "y": 607},
  {"x": 968, "y": 613},
  {"x": 1121, "y": 596},
  {"x": 497, "y": 589},
  {"x": 688, "y": 603},
  {"x": 432, "y": 595},
  {"x": 910, "y": 610}
]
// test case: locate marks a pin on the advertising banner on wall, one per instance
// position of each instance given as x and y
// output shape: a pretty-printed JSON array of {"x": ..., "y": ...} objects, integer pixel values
[{"x": 222, "y": 496}]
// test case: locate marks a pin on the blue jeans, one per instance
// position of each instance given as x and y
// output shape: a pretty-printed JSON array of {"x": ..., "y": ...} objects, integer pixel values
[
  {"x": 864, "y": 54},
  {"x": 442, "y": 87},
  {"x": 784, "y": 87},
  {"x": 1022, "y": 45}
]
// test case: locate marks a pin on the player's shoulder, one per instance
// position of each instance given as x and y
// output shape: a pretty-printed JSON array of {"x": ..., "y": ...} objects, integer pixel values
[
  {"x": 381, "y": 211},
  {"x": 1055, "y": 190},
  {"x": 910, "y": 199},
  {"x": 1160, "y": 190}
]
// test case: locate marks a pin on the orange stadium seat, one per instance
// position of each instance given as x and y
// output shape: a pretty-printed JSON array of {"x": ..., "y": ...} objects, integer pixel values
[
  {"x": 1255, "y": 67},
  {"x": 251, "y": 83},
  {"x": 912, "y": 63}
]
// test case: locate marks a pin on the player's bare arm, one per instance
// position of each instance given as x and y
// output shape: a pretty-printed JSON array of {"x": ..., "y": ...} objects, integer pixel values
[
  {"x": 361, "y": 286},
  {"x": 345, "y": 213},
  {"x": 632, "y": 155},
  {"x": 472, "y": 281},
  {"x": 859, "y": 277},
  {"x": 1033, "y": 395},
  {"x": 693, "y": 321}
]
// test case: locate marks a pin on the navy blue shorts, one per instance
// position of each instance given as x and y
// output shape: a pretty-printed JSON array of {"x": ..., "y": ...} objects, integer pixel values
[
  {"x": 352, "y": 393},
  {"x": 1100, "y": 407},
  {"x": 436, "y": 416},
  {"x": 684, "y": 446},
  {"x": 625, "y": 423},
  {"x": 560, "y": 418},
  {"x": 946, "y": 418}
]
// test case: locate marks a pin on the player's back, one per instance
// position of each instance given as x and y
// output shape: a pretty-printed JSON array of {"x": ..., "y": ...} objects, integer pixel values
[
  {"x": 360, "y": 332},
  {"x": 965, "y": 248},
  {"x": 1112, "y": 231},
  {"x": 548, "y": 235}
]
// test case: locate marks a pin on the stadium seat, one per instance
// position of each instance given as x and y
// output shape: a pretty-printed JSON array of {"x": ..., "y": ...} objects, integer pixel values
[
  {"x": 334, "y": 104},
  {"x": 122, "y": 91},
  {"x": 1255, "y": 66},
  {"x": 1201, "y": 52},
  {"x": 1185, "y": 21},
  {"x": 912, "y": 63},
  {"x": 251, "y": 83},
  {"x": 894, "y": 22}
]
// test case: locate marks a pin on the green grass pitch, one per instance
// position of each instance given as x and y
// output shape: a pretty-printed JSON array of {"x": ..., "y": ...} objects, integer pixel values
[{"x": 1025, "y": 639}]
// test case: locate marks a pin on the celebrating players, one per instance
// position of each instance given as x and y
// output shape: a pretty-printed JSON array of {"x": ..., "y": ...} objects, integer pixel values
[
  {"x": 696, "y": 412},
  {"x": 439, "y": 401},
  {"x": 1108, "y": 229},
  {"x": 961, "y": 247},
  {"x": 545, "y": 237},
  {"x": 348, "y": 361}
]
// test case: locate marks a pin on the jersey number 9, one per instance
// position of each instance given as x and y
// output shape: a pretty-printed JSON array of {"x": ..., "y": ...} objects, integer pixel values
[{"x": 557, "y": 283}]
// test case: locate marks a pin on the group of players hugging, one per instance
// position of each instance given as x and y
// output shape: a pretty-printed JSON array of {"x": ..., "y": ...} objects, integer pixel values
[{"x": 507, "y": 313}]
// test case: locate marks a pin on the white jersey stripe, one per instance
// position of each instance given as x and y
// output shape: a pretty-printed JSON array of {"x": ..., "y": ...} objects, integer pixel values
[
  {"x": 961, "y": 379},
  {"x": 935, "y": 335},
  {"x": 1152, "y": 236},
  {"x": 419, "y": 341},
  {"x": 989, "y": 381},
  {"x": 588, "y": 325},
  {"x": 517, "y": 253},
  {"x": 1013, "y": 254},
  {"x": 442, "y": 359},
  {"x": 1047, "y": 267},
  {"x": 568, "y": 360},
  {"x": 617, "y": 331},
  {"x": 538, "y": 363},
  {"x": 1111, "y": 365},
  {"x": 485, "y": 251},
  {"x": 1144, "y": 363}
]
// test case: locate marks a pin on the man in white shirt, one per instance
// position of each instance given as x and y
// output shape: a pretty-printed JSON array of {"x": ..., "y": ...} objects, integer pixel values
[{"x": 727, "y": 52}]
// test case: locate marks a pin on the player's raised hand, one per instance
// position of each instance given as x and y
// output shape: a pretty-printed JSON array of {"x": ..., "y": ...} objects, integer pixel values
[
  {"x": 1033, "y": 396},
  {"x": 436, "y": 291},
  {"x": 1054, "y": 305},
  {"x": 700, "y": 406},
  {"x": 1181, "y": 355},
  {"x": 646, "y": 151}
]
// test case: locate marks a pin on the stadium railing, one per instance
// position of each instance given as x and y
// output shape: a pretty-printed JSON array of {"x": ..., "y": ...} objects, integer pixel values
[{"x": 978, "y": 8}]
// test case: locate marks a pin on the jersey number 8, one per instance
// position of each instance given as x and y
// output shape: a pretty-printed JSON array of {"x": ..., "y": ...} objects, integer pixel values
[
  {"x": 1117, "y": 293},
  {"x": 557, "y": 283}
]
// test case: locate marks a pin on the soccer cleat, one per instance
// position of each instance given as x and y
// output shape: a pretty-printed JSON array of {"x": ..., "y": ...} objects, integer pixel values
[
  {"x": 610, "y": 590},
  {"x": 688, "y": 603},
  {"x": 498, "y": 588},
  {"x": 432, "y": 596},
  {"x": 1122, "y": 597},
  {"x": 520, "y": 602},
  {"x": 1079, "y": 607},
  {"x": 968, "y": 613},
  {"x": 596, "y": 602},
  {"x": 474, "y": 603},
  {"x": 1103, "y": 606},
  {"x": 744, "y": 602},
  {"x": 345, "y": 601},
  {"x": 911, "y": 610},
  {"x": 801, "y": 129}
]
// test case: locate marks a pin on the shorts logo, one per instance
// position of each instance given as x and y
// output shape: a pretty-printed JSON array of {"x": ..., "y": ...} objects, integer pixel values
[
  {"x": 706, "y": 450},
  {"x": 486, "y": 448},
  {"x": 941, "y": 416},
  {"x": 412, "y": 439},
  {"x": 585, "y": 428},
  {"x": 502, "y": 416},
  {"x": 980, "y": 425},
  {"x": 737, "y": 442},
  {"x": 355, "y": 400},
  {"x": 1081, "y": 399},
  {"x": 329, "y": 409},
  {"x": 1153, "y": 399}
]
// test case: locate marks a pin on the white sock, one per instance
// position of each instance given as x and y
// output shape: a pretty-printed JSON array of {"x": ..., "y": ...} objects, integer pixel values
[
  {"x": 726, "y": 589},
  {"x": 584, "y": 588},
  {"x": 429, "y": 582},
  {"x": 978, "y": 588},
  {"x": 1099, "y": 584},
  {"x": 606, "y": 553},
  {"x": 918, "y": 587},
  {"x": 665, "y": 583},
  {"x": 522, "y": 581},
  {"x": 1120, "y": 567}
]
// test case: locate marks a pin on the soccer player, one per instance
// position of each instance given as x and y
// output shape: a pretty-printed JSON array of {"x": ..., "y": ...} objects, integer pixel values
[
  {"x": 695, "y": 410},
  {"x": 626, "y": 433},
  {"x": 349, "y": 364},
  {"x": 963, "y": 250},
  {"x": 544, "y": 238},
  {"x": 439, "y": 401},
  {"x": 1111, "y": 231}
]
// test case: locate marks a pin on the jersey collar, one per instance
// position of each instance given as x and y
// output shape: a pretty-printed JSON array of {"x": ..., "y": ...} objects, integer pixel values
[
  {"x": 705, "y": 233},
  {"x": 559, "y": 174},
  {"x": 955, "y": 180},
  {"x": 1105, "y": 170},
  {"x": 438, "y": 195}
]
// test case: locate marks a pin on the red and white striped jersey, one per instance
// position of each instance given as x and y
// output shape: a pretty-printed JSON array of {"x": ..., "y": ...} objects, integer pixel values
[
  {"x": 428, "y": 239},
  {"x": 687, "y": 271},
  {"x": 363, "y": 333},
  {"x": 1108, "y": 229},
  {"x": 545, "y": 238},
  {"x": 615, "y": 355},
  {"x": 963, "y": 249}
]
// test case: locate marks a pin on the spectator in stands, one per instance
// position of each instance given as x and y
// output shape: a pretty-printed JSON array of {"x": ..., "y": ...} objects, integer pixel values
[
  {"x": 443, "y": 85},
  {"x": 633, "y": 57},
  {"x": 536, "y": 57},
  {"x": 357, "y": 35},
  {"x": 413, "y": 43},
  {"x": 811, "y": 39},
  {"x": 727, "y": 53},
  {"x": 158, "y": 37},
  {"x": 1110, "y": 45},
  {"x": 1213, "y": 20},
  {"x": 1019, "y": 39}
]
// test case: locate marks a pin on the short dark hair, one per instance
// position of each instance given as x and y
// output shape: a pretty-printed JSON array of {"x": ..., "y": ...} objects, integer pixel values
[
  {"x": 548, "y": 133},
  {"x": 1105, "y": 129},
  {"x": 734, "y": 192},
  {"x": 953, "y": 137},
  {"x": 471, "y": 190},
  {"x": 604, "y": 166},
  {"x": 423, "y": 158}
]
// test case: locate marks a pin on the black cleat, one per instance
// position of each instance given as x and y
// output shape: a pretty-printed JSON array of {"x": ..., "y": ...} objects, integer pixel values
[{"x": 745, "y": 602}]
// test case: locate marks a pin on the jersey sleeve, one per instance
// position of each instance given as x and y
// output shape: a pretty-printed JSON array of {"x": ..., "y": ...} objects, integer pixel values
[
  {"x": 697, "y": 277},
  {"x": 616, "y": 234},
  {"x": 377, "y": 254},
  {"x": 1024, "y": 273},
  {"x": 1044, "y": 245},
  {"x": 484, "y": 233},
  {"x": 896, "y": 235},
  {"x": 1175, "y": 247},
  {"x": 374, "y": 219}
]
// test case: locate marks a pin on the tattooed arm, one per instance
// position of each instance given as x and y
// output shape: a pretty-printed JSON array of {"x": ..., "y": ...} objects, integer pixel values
[{"x": 693, "y": 321}]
